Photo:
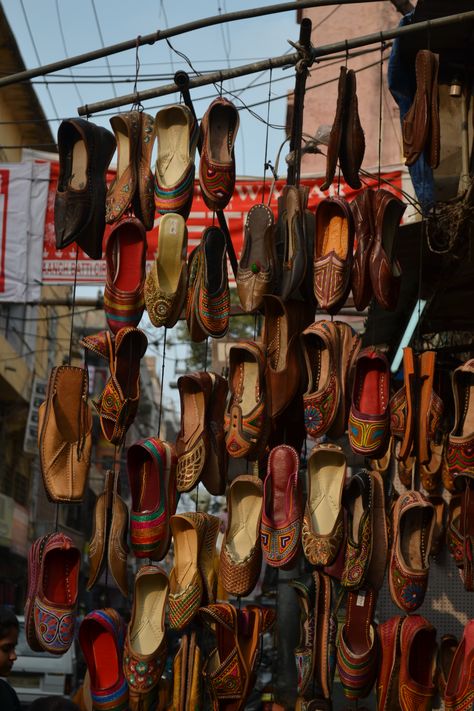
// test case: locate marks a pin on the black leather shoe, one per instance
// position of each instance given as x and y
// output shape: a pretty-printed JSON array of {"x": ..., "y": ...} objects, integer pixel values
[{"x": 85, "y": 151}]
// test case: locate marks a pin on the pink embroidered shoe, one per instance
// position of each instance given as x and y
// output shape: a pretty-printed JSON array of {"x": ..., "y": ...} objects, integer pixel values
[
  {"x": 151, "y": 467},
  {"x": 280, "y": 531},
  {"x": 50, "y": 610}
]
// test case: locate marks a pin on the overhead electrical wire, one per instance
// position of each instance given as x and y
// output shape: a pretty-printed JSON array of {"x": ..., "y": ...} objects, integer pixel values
[
  {"x": 101, "y": 37},
  {"x": 66, "y": 53}
]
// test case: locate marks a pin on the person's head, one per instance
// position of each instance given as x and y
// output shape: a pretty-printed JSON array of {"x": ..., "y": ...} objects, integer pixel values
[
  {"x": 53, "y": 703},
  {"x": 8, "y": 639}
]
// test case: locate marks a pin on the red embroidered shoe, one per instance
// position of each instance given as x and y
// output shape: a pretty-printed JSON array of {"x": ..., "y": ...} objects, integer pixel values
[
  {"x": 219, "y": 128},
  {"x": 50, "y": 610},
  {"x": 413, "y": 526},
  {"x": 102, "y": 636},
  {"x": 459, "y": 695},
  {"x": 177, "y": 133},
  {"x": 280, "y": 531},
  {"x": 460, "y": 452},
  {"x": 388, "y": 673},
  {"x": 125, "y": 255},
  {"x": 145, "y": 650},
  {"x": 417, "y": 664},
  {"x": 151, "y": 467}
]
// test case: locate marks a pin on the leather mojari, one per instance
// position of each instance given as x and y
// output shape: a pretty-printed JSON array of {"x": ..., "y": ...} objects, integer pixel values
[
  {"x": 362, "y": 208},
  {"x": 102, "y": 636},
  {"x": 50, "y": 609},
  {"x": 145, "y": 649},
  {"x": 459, "y": 694},
  {"x": 151, "y": 467},
  {"x": 357, "y": 648},
  {"x": 256, "y": 273},
  {"x": 460, "y": 451},
  {"x": 420, "y": 129},
  {"x": 384, "y": 268},
  {"x": 358, "y": 499},
  {"x": 417, "y": 664},
  {"x": 85, "y": 151},
  {"x": 280, "y": 530},
  {"x": 295, "y": 257},
  {"x": 461, "y": 528},
  {"x": 230, "y": 669},
  {"x": 108, "y": 544},
  {"x": 413, "y": 526},
  {"x": 65, "y": 434},
  {"x": 246, "y": 419},
  {"x": 187, "y": 675},
  {"x": 241, "y": 551},
  {"x": 332, "y": 261}
]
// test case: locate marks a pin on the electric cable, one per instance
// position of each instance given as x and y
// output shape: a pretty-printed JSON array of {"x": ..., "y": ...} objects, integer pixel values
[
  {"x": 66, "y": 53},
  {"x": 101, "y": 37}
]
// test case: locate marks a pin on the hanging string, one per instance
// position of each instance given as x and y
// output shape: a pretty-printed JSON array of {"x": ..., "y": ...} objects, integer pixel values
[
  {"x": 339, "y": 164},
  {"x": 162, "y": 381},
  {"x": 197, "y": 497},
  {"x": 266, "y": 164},
  {"x": 205, "y": 354},
  {"x": 137, "y": 105},
  {"x": 73, "y": 305},
  {"x": 56, "y": 525},
  {"x": 379, "y": 160}
]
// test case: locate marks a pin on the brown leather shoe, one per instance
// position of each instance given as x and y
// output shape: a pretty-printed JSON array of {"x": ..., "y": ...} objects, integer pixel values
[
  {"x": 336, "y": 130},
  {"x": 65, "y": 434},
  {"x": 98, "y": 543},
  {"x": 143, "y": 200},
  {"x": 85, "y": 151},
  {"x": 333, "y": 253},
  {"x": 120, "y": 194},
  {"x": 219, "y": 127},
  {"x": 420, "y": 128},
  {"x": 214, "y": 474},
  {"x": 460, "y": 451},
  {"x": 192, "y": 443},
  {"x": 352, "y": 148},
  {"x": 389, "y": 669},
  {"x": 256, "y": 272},
  {"x": 349, "y": 347},
  {"x": 417, "y": 664},
  {"x": 385, "y": 270},
  {"x": 363, "y": 212},
  {"x": 295, "y": 258},
  {"x": 117, "y": 544}
]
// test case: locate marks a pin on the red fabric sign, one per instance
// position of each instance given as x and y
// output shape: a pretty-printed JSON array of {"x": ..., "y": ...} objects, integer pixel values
[{"x": 59, "y": 265}]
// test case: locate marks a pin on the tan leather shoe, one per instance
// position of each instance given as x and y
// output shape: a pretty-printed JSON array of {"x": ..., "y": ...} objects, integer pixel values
[
  {"x": 385, "y": 270},
  {"x": 117, "y": 545},
  {"x": 186, "y": 585},
  {"x": 256, "y": 272},
  {"x": 192, "y": 443},
  {"x": 65, "y": 434},
  {"x": 126, "y": 128},
  {"x": 98, "y": 543}
]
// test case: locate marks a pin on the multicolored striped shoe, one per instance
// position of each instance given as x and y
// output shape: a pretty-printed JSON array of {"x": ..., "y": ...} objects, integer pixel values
[
  {"x": 212, "y": 295},
  {"x": 177, "y": 132},
  {"x": 357, "y": 647},
  {"x": 125, "y": 255},
  {"x": 102, "y": 637},
  {"x": 151, "y": 466},
  {"x": 219, "y": 128}
]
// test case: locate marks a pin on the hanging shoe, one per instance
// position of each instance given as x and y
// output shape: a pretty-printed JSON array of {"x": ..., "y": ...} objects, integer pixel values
[
  {"x": 85, "y": 151},
  {"x": 145, "y": 650},
  {"x": 320, "y": 346},
  {"x": 143, "y": 200},
  {"x": 446, "y": 651},
  {"x": 280, "y": 530},
  {"x": 125, "y": 255},
  {"x": 380, "y": 545},
  {"x": 323, "y": 522},
  {"x": 214, "y": 475},
  {"x": 53, "y": 578},
  {"x": 385, "y": 270},
  {"x": 420, "y": 128},
  {"x": 118, "y": 403},
  {"x": 357, "y": 648},
  {"x": 241, "y": 551},
  {"x": 460, "y": 450},
  {"x": 295, "y": 256},
  {"x": 459, "y": 694},
  {"x": 332, "y": 260},
  {"x": 412, "y": 525},
  {"x": 256, "y": 272},
  {"x": 65, "y": 434},
  {"x": 369, "y": 418},
  {"x": 101, "y": 637},
  {"x": 246, "y": 417},
  {"x": 212, "y": 296},
  {"x": 187, "y": 674},
  {"x": 126, "y": 128},
  {"x": 337, "y": 129},
  {"x": 192, "y": 443},
  {"x": 165, "y": 284},
  {"x": 349, "y": 347},
  {"x": 207, "y": 554},
  {"x": 195, "y": 263},
  {"x": 352, "y": 148},
  {"x": 389, "y": 667},
  {"x": 151, "y": 467},
  {"x": 177, "y": 135},
  {"x": 186, "y": 585},
  {"x": 358, "y": 499},
  {"x": 464, "y": 524},
  {"x": 219, "y": 128},
  {"x": 417, "y": 664},
  {"x": 362, "y": 208}
]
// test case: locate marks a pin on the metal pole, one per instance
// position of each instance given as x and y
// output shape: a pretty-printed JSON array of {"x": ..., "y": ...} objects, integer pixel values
[
  {"x": 280, "y": 61},
  {"x": 170, "y": 32}
]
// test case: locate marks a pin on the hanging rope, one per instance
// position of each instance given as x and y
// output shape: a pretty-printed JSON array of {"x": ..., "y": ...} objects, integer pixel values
[
  {"x": 162, "y": 380},
  {"x": 379, "y": 160},
  {"x": 73, "y": 306},
  {"x": 266, "y": 164}
]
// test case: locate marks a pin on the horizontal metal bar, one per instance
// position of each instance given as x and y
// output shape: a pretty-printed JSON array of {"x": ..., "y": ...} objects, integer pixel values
[
  {"x": 281, "y": 61},
  {"x": 170, "y": 32}
]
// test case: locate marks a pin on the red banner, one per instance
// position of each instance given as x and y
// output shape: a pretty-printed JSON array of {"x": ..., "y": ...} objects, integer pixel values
[{"x": 59, "y": 265}]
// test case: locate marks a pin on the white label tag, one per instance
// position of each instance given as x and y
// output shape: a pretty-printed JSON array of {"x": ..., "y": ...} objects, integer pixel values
[{"x": 361, "y": 599}]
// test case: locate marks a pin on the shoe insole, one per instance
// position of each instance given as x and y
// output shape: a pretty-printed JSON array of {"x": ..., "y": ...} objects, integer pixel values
[
  {"x": 67, "y": 404},
  {"x": 185, "y": 553},
  {"x": 128, "y": 259},
  {"x": 420, "y": 662},
  {"x": 173, "y": 145},
  {"x": 150, "y": 599},
  {"x": 221, "y": 132},
  {"x": 255, "y": 251},
  {"x": 249, "y": 386},
  {"x": 214, "y": 260},
  {"x": 466, "y": 423},
  {"x": 326, "y": 478},
  {"x": 103, "y": 675},
  {"x": 358, "y": 630},
  {"x": 149, "y": 494},
  {"x": 246, "y": 508},
  {"x": 413, "y": 525},
  {"x": 61, "y": 570},
  {"x": 193, "y": 417},
  {"x": 170, "y": 248},
  {"x": 78, "y": 179},
  {"x": 335, "y": 236},
  {"x": 372, "y": 388},
  {"x": 123, "y": 155},
  {"x": 317, "y": 361},
  {"x": 128, "y": 364}
]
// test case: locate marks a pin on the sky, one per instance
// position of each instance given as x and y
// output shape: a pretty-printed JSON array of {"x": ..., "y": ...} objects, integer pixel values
[{"x": 49, "y": 30}]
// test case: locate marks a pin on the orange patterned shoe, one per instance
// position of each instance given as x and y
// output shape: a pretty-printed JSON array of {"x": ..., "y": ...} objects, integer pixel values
[
  {"x": 246, "y": 419},
  {"x": 417, "y": 664},
  {"x": 212, "y": 296},
  {"x": 219, "y": 128},
  {"x": 125, "y": 255},
  {"x": 177, "y": 133},
  {"x": 186, "y": 586},
  {"x": 459, "y": 695}
]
